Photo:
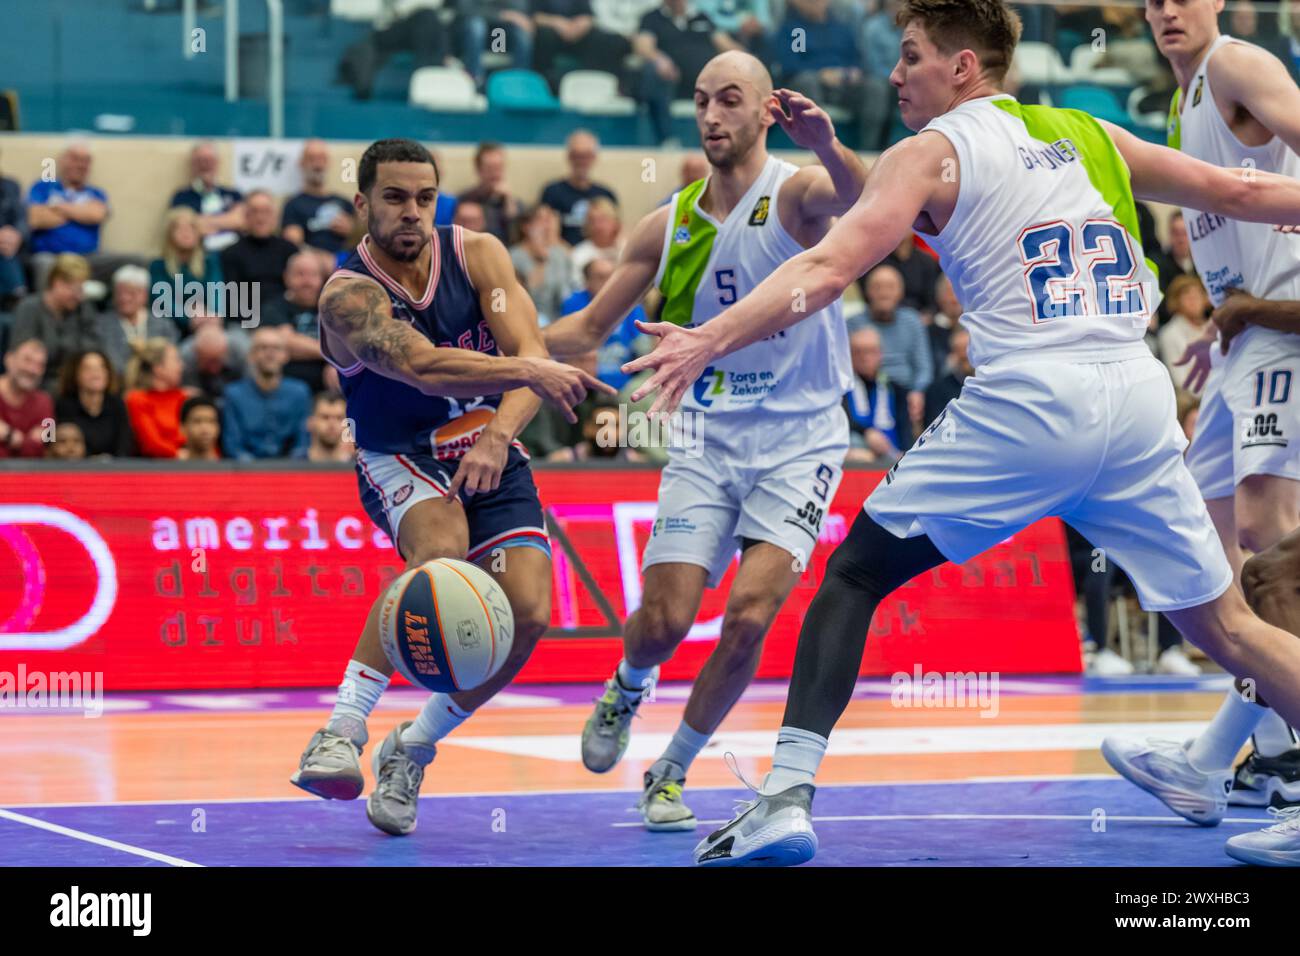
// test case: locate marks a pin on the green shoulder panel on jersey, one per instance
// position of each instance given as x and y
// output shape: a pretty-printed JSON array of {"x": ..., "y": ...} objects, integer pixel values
[
  {"x": 1097, "y": 151},
  {"x": 690, "y": 243},
  {"x": 1174, "y": 131}
]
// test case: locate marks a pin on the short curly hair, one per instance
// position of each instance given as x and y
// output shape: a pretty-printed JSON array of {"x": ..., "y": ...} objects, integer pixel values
[{"x": 990, "y": 28}]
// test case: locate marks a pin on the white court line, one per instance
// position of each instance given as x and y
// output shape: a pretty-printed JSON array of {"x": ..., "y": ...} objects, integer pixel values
[
  {"x": 91, "y": 838},
  {"x": 1080, "y": 817},
  {"x": 1010, "y": 778}
]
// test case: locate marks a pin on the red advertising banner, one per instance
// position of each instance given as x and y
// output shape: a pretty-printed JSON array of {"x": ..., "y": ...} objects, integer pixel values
[{"x": 222, "y": 577}]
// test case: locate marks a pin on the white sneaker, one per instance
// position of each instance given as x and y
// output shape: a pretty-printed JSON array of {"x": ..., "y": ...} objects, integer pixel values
[
  {"x": 1174, "y": 660},
  {"x": 1161, "y": 768},
  {"x": 1106, "y": 663},
  {"x": 1276, "y": 845}
]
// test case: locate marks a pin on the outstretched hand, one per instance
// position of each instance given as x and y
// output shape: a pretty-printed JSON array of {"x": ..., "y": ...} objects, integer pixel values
[
  {"x": 806, "y": 123},
  {"x": 678, "y": 360}
]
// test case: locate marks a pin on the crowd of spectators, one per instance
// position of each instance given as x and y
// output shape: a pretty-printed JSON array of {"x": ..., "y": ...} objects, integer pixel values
[{"x": 148, "y": 364}]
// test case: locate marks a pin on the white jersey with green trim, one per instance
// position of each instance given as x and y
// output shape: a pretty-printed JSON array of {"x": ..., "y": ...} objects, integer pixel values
[
  {"x": 1042, "y": 248},
  {"x": 1228, "y": 253},
  {"x": 707, "y": 265}
]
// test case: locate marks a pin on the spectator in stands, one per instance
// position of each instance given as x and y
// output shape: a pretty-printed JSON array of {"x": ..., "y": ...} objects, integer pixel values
[
  {"x": 65, "y": 214},
  {"x": 89, "y": 397},
  {"x": 695, "y": 166},
  {"x": 211, "y": 361},
  {"x": 69, "y": 443},
  {"x": 131, "y": 320},
  {"x": 59, "y": 317},
  {"x": 414, "y": 26},
  {"x": 880, "y": 36},
  {"x": 220, "y": 208},
  {"x": 1189, "y": 310},
  {"x": 620, "y": 347},
  {"x": 480, "y": 19},
  {"x": 184, "y": 260},
  {"x": 501, "y": 208},
  {"x": 1179, "y": 249},
  {"x": 824, "y": 63},
  {"x": 547, "y": 435},
  {"x": 920, "y": 272},
  {"x": 603, "y": 237},
  {"x": 317, "y": 217},
  {"x": 470, "y": 215},
  {"x": 265, "y": 414},
  {"x": 260, "y": 256},
  {"x": 903, "y": 337},
  {"x": 1128, "y": 45},
  {"x": 154, "y": 398},
  {"x": 330, "y": 436},
  {"x": 566, "y": 29},
  {"x": 879, "y": 429},
  {"x": 600, "y": 433},
  {"x": 542, "y": 262},
  {"x": 947, "y": 385},
  {"x": 201, "y": 430},
  {"x": 675, "y": 41},
  {"x": 946, "y": 315},
  {"x": 26, "y": 412},
  {"x": 571, "y": 195},
  {"x": 296, "y": 316},
  {"x": 13, "y": 233},
  {"x": 748, "y": 22}
]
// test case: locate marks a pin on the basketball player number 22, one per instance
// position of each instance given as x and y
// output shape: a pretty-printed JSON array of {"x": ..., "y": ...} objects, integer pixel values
[{"x": 1054, "y": 266}]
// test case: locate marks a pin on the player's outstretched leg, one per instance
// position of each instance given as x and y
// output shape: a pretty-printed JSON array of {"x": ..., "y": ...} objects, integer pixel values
[
  {"x": 767, "y": 575},
  {"x": 330, "y": 767},
  {"x": 775, "y": 828},
  {"x": 524, "y": 573},
  {"x": 670, "y": 601}
]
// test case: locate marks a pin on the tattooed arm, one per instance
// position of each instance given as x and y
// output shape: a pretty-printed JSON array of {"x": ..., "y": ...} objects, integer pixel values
[{"x": 356, "y": 316}]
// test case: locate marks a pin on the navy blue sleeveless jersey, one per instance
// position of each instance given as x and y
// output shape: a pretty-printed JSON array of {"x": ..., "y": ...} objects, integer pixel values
[{"x": 391, "y": 417}]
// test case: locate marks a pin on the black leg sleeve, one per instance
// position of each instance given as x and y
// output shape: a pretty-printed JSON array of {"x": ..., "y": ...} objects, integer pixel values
[{"x": 868, "y": 565}]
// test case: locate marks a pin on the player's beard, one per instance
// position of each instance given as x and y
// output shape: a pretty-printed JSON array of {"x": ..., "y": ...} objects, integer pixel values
[
  {"x": 742, "y": 141},
  {"x": 385, "y": 242}
]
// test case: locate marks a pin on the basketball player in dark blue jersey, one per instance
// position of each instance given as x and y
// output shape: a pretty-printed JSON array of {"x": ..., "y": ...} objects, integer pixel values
[{"x": 440, "y": 357}]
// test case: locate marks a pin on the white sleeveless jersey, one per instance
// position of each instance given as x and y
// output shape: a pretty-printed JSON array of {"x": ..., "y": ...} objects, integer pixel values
[
  {"x": 1229, "y": 253},
  {"x": 1043, "y": 247},
  {"x": 707, "y": 265}
]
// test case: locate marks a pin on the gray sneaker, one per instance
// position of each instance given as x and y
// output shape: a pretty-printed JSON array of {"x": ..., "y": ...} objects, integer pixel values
[
  {"x": 399, "y": 771},
  {"x": 661, "y": 803},
  {"x": 771, "y": 830},
  {"x": 606, "y": 733},
  {"x": 331, "y": 766}
]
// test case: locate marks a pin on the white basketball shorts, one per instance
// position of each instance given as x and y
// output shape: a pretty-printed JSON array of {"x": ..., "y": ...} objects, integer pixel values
[
  {"x": 760, "y": 478},
  {"x": 1095, "y": 443},
  {"x": 1249, "y": 421}
]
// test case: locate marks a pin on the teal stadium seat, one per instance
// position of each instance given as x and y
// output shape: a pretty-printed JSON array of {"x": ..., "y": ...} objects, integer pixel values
[
  {"x": 521, "y": 90},
  {"x": 1099, "y": 101}
]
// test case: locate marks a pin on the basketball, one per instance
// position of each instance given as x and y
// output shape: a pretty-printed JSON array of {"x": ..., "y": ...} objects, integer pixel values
[{"x": 446, "y": 625}]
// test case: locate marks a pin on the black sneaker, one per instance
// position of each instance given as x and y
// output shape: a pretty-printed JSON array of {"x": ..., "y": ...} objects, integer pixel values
[{"x": 1267, "y": 781}]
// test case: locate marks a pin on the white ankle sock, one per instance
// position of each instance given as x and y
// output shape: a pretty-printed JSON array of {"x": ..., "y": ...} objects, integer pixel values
[
  {"x": 1231, "y": 727},
  {"x": 798, "y": 755},
  {"x": 685, "y": 746},
  {"x": 632, "y": 679},
  {"x": 1273, "y": 736},
  {"x": 358, "y": 694},
  {"x": 437, "y": 718}
]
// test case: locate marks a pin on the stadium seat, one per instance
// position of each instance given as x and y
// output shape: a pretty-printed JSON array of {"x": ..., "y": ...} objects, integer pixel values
[
  {"x": 1082, "y": 65},
  {"x": 445, "y": 89},
  {"x": 1039, "y": 63},
  {"x": 356, "y": 9},
  {"x": 682, "y": 109},
  {"x": 1097, "y": 100},
  {"x": 1154, "y": 119},
  {"x": 521, "y": 90},
  {"x": 594, "y": 92}
]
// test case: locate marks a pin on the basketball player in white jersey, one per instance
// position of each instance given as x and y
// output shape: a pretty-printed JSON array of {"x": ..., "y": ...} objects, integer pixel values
[
  {"x": 773, "y": 433},
  {"x": 1032, "y": 212},
  {"x": 1236, "y": 106}
]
